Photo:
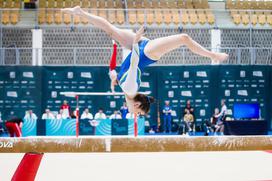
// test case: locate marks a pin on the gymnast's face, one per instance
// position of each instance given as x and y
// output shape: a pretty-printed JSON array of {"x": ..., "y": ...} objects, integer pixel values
[{"x": 138, "y": 110}]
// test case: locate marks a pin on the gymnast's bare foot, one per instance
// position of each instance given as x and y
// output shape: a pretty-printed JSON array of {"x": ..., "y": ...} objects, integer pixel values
[
  {"x": 76, "y": 10},
  {"x": 219, "y": 57}
]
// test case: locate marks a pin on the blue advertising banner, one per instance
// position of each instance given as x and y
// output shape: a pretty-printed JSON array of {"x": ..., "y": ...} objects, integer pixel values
[
  {"x": 105, "y": 127},
  {"x": 141, "y": 126},
  {"x": 29, "y": 128},
  {"x": 65, "y": 127}
]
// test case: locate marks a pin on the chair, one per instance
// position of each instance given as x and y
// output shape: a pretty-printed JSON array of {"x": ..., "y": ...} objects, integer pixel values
[
  {"x": 193, "y": 17},
  {"x": 138, "y": 4},
  {"x": 175, "y": 16},
  {"x": 120, "y": 17},
  {"x": 101, "y": 4},
  {"x": 167, "y": 16},
  {"x": 5, "y": 17},
  {"x": 51, "y": 4},
  {"x": 58, "y": 17},
  {"x": 204, "y": 4},
  {"x": 158, "y": 16},
  {"x": 189, "y": 4},
  {"x": 262, "y": 19},
  {"x": 112, "y": 16},
  {"x": 147, "y": 4},
  {"x": 180, "y": 4},
  {"x": 42, "y": 3},
  {"x": 269, "y": 4},
  {"x": 172, "y": 4},
  {"x": 184, "y": 17},
  {"x": 119, "y": 4},
  {"x": 202, "y": 19},
  {"x": 85, "y": 4},
  {"x": 17, "y": 4},
  {"x": 210, "y": 18},
  {"x": 269, "y": 19},
  {"x": 140, "y": 16},
  {"x": 68, "y": 4},
  {"x": 245, "y": 19},
  {"x": 76, "y": 3},
  {"x": 49, "y": 17},
  {"x": 149, "y": 17},
  {"x": 41, "y": 16},
  {"x": 14, "y": 17},
  {"x": 1, "y": 3},
  {"x": 59, "y": 4},
  {"x": 102, "y": 13},
  {"x": 93, "y": 4},
  {"x": 132, "y": 18},
  {"x": 110, "y": 4},
  {"x": 76, "y": 19},
  {"x": 236, "y": 19},
  {"x": 254, "y": 19},
  {"x": 67, "y": 18},
  {"x": 155, "y": 4},
  {"x": 9, "y": 4}
]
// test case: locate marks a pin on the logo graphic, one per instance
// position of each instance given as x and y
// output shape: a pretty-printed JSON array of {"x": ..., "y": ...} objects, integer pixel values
[{"x": 6, "y": 144}]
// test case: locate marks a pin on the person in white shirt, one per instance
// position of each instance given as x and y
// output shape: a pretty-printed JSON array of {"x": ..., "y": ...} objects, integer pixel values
[
  {"x": 30, "y": 116},
  {"x": 62, "y": 115},
  {"x": 86, "y": 114},
  {"x": 116, "y": 115},
  {"x": 100, "y": 114},
  {"x": 223, "y": 111},
  {"x": 219, "y": 127},
  {"x": 130, "y": 116},
  {"x": 48, "y": 115}
]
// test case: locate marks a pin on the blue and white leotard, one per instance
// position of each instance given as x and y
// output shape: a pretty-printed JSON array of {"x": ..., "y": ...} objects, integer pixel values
[{"x": 129, "y": 76}]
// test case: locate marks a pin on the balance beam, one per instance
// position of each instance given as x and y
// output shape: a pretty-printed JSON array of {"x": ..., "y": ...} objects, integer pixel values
[{"x": 132, "y": 144}]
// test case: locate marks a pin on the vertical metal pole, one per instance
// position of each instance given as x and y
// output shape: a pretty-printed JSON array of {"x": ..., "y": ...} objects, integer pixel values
[
  {"x": 17, "y": 56},
  {"x": 135, "y": 125},
  {"x": 77, "y": 116},
  {"x": 75, "y": 59}
]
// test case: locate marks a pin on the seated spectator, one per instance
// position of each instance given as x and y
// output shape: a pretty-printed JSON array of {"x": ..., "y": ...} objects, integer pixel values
[
  {"x": 189, "y": 107},
  {"x": 188, "y": 120},
  {"x": 30, "y": 116},
  {"x": 124, "y": 110},
  {"x": 210, "y": 125},
  {"x": 116, "y": 115},
  {"x": 100, "y": 114},
  {"x": 86, "y": 114},
  {"x": 14, "y": 127},
  {"x": 48, "y": 115},
  {"x": 130, "y": 116},
  {"x": 66, "y": 109},
  {"x": 73, "y": 114},
  {"x": 61, "y": 115}
]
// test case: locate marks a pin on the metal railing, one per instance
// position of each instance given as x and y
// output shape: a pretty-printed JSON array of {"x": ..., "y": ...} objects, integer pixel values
[{"x": 59, "y": 56}]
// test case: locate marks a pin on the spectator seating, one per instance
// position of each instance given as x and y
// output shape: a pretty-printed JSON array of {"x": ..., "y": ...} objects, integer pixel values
[
  {"x": 167, "y": 12},
  {"x": 47, "y": 14},
  {"x": 258, "y": 16},
  {"x": 138, "y": 11},
  {"x": 12, "y": 14}
]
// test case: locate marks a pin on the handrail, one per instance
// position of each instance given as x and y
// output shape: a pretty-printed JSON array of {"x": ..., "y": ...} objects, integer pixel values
[{"x": 77, "y": 56}]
